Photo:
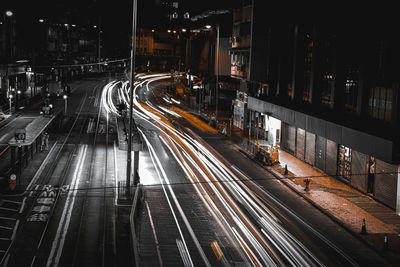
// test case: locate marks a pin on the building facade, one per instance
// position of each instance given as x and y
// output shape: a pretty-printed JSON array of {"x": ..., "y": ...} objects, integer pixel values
[{"x": 335, "y": 91}]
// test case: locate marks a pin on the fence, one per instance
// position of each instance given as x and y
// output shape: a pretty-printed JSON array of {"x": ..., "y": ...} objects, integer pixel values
[{"x": 132, "y": 218}]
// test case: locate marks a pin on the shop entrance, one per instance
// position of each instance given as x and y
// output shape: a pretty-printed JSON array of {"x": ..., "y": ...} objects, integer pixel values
[{"x": 344, "y": 162}]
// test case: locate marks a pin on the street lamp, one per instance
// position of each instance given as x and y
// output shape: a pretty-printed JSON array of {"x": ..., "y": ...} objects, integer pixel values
[
  {"x": 17, "y": 99},
  {"x": 9, "y": 13},
  {"x": 65, "y": 104},
  {"x": 10, "y": 96}
]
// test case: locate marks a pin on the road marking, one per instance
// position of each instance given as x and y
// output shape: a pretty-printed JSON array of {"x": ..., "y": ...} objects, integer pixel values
[
  {"x": 157, "y": 167},
  {"x": 66, "y": 215},
  {"x": 40, "y": 170},
  {"x": 8, "y": 218},
  {"x": 184, "y": 253},
  {"x": 5, "y": 227},
  {"x": 11, "y": 201},
  {"x": 15, "y": 230},
  {"x": 115, "y": 173},
  {"x": 23, "y": 205},
  {"x": 294, "y": 215},
  {"x": 14, "y": 210},
  {"x": 154, "y": 234}
]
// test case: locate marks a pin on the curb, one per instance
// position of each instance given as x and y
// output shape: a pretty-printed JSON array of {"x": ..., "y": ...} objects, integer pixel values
[{"x": 282, "y": 178}]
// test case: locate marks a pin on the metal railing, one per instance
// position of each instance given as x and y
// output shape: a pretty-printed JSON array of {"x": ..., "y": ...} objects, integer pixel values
[{"x": 132, "y": 218}]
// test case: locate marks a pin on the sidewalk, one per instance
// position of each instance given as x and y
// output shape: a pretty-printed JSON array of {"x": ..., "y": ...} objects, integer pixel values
[{"x": 344, "y": 204}]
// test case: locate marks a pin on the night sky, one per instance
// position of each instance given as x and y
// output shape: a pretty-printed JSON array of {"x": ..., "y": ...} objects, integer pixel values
[{"x": 115, "y": 16}]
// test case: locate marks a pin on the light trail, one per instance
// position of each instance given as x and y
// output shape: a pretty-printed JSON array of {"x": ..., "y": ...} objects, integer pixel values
[{"x": 258, "y": 234}]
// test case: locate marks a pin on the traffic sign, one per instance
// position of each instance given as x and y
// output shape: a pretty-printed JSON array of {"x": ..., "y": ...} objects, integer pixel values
[{"x": 13, "y": 181}]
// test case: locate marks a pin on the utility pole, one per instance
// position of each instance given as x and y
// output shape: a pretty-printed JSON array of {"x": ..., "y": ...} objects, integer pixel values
[
  {"x": 217, "y": 83},
  {"x": 131, "y": 78},
  {"x": 99, "y": 45}
]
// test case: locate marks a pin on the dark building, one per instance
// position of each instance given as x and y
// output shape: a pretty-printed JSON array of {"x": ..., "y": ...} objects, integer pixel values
[
  {"x": 31, "y": 40},
  {"x": 326, "y": 92}
]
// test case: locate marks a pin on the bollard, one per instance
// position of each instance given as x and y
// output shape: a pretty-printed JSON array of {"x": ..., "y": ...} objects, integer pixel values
[
  {"x": 363, "y": 227},
  {"x": 385, "y": 242},
  {"x": 286, "y": 171},
  {"x": 307, "y": 181}
]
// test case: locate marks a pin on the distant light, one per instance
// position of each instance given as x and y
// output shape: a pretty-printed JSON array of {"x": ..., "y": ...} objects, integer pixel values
[
  {"x": 50, "y": 106},
  {"x": 152, "y": 30},
  {"x": 9, "y": 13},
  {"x": 41, "y": 20},
  {"x": 65, "y": 96},
  {"x": 186, "y": 15},
  {"x": 19, "y": 92},
  {"x": 169, "y": 31},
  {"x": 95, "y": 26},
  {"x": 66, "y": 25},
  {"x": 1, "y": 22},
  {"x": 208, "y": 26},
  {"x": 174, "y": 31},
  {"x": 183, "y": 30},
  {"x": 73, "y": 25}
]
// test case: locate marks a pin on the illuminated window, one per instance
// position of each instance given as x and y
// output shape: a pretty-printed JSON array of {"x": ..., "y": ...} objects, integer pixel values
[{"x": 351, "y": 90}]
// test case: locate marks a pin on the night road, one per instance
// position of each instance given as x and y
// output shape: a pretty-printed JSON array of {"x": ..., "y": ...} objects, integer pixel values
[{"x": 198, "y": 133}]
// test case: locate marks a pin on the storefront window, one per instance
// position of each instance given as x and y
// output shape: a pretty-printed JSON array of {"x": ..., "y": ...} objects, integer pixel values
[{"x": 344, "y": 163}]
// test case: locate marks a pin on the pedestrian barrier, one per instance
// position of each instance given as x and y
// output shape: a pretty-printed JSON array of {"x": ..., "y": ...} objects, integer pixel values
[{"x": 132, "y": 219}]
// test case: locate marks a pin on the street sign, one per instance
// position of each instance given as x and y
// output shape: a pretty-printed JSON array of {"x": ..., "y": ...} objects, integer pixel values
[
  {"x": 20, "y": 134},
  {"x": 13, "y": 181}
]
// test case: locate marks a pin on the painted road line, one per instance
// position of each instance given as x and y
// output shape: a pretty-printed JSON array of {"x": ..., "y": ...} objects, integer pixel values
[
  {"x": 158, "y": 166},
  {"x": 8, "y": 209},
  {"x": 299, "y": 219},
  {"x": 8, "y": 218},
  {"x": 23, "y": 205},
  {"x": 154, "y": 234},
  {"x": 188, "y": 226},
  {"x": 58, "y": 242},
  {"x": 5, "y": 227},
  {"x": 34, "y": 190},
  {"x": 15, "y": 230},
  {"x": 115, "y": 174},
  {"x": 11, "y": 201},
  {"x": 40, "y": 170},
  {"x": 184, "y": 253}
]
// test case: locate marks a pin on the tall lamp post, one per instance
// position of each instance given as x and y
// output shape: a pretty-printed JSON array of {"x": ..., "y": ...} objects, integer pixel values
[
  {"x": 217, "y": 71},
  {"x": 217, "y": 77},
  {"x": 65, "y": 104},
  {"x": 131, "y": 80}
]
